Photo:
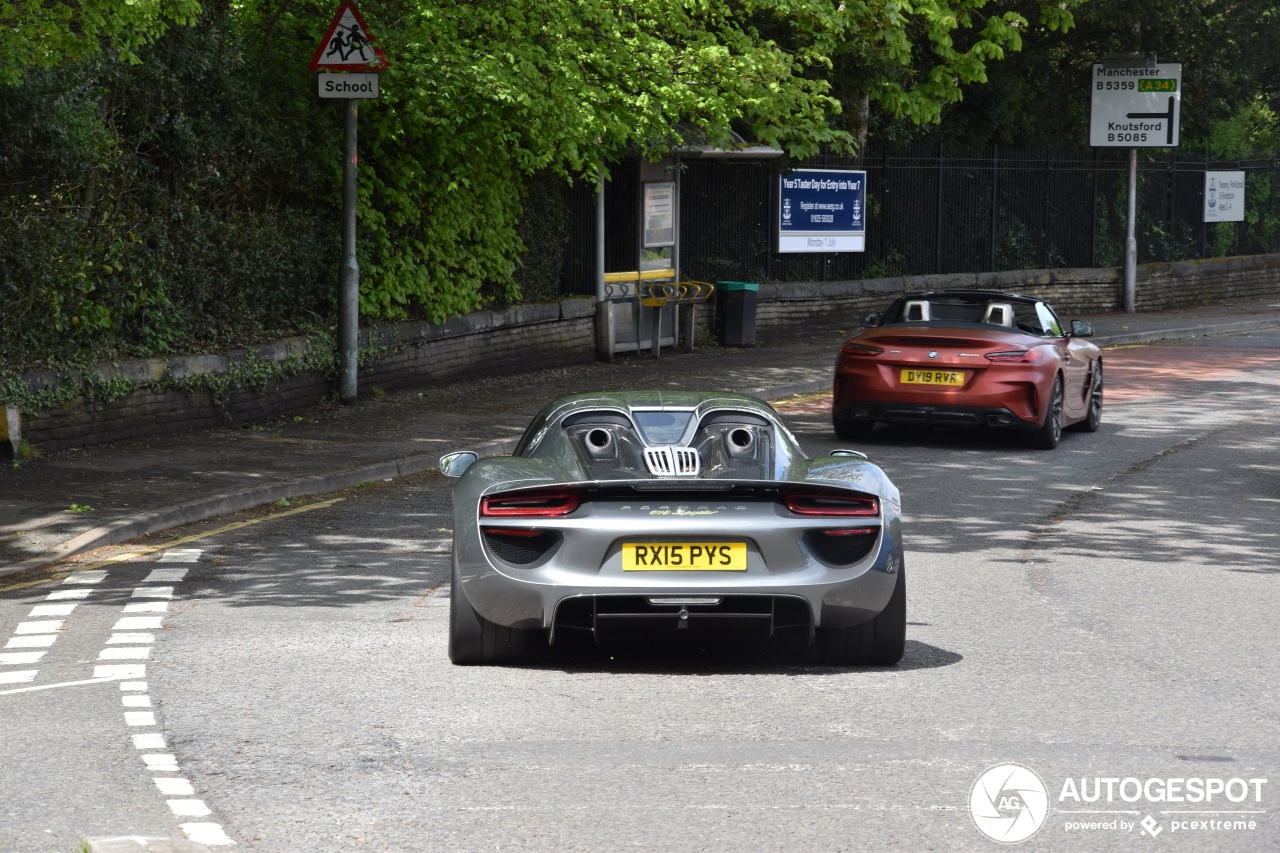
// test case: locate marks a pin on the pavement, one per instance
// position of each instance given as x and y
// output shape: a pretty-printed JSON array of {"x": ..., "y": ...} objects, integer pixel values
[{"x": 61, "y": 504}]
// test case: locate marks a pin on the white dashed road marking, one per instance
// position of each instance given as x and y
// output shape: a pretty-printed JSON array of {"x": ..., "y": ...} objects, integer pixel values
[
  {"x": 132, "y": 641},
  {"x": 158, "y": 763},
  {"x": 139, "y": 623},
  {"x": 20, "y": 657},
  {"x": 21, "y": 676},
  {"x": 181, "y": 555},
  {"x": 174, "y": 787},
  {"x": 126, "y": 653},
  {"x": 43, "y": 627},
  {"x": 68, "y": 594},
  {"x": 37, "y": 641},
  {"x": 206, "y": 833},
  {"x": 119, "y": 671},
  {"x": 127, "y": 643},
  {"x": 131, "y": 638},
  {"x": 153, "y": 592},
  {"x": 52, "y": 610}
]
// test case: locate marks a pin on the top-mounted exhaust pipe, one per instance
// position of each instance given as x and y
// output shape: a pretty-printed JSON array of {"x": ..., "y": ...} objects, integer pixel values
[
  {"x": 741, "y": 443},
  {"x": 600, "y": 444}
]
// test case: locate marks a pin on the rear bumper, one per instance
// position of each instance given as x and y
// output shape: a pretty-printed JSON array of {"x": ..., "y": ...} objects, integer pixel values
[
  {"x": 833, "y": 597},
  {"x": 933, "y": 415},
  {"x": 1000, "y": 398}
]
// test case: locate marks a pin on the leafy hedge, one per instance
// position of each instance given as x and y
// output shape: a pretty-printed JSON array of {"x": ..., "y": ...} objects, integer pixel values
[{"x": 171, "y": 206}]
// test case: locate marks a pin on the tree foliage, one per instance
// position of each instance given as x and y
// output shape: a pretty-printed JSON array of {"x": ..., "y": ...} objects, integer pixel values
[
  {"x": 45, "y": 33},
  {"x": 480, "y": 97},
  {"x": 1230, "y": 55},
  {"x": 913, "y": 60},
  {"x": 160, "y": 207}
]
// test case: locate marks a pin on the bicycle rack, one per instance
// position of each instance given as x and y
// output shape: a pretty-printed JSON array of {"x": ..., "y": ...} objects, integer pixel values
[{"x": 653, "y": 292}]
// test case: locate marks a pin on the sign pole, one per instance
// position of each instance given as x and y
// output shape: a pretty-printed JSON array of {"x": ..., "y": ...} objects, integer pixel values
[
  {"x": 346, "y": 47},
  {"x": 1131, "y": 238},
  {"x": 1134, "y": 103},
  {"x": 349, "y": 279}
]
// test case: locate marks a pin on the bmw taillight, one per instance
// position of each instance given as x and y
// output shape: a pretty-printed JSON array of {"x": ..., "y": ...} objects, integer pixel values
[
  {"x": 539, "y": 503},
  {"x": 851, "y": 348},
  {"x": 1017, "y": 356},
  {"x": 830, "y": 503}
]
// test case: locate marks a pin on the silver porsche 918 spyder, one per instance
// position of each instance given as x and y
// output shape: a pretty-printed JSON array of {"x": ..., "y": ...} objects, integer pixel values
[{"x": 672, "y": 514}]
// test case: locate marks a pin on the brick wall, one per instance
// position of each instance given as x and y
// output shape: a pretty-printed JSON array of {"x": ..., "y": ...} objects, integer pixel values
[
  {"x": 1070, "y": 291},
  {"x": 527, "y": 337}
]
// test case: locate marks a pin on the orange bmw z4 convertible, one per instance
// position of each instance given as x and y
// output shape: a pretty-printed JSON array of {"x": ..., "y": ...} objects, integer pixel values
[{"x": 969, "y": 358}]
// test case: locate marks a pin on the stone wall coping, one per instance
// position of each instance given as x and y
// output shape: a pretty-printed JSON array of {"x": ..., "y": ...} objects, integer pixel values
[{"x": 144, "y": 372}]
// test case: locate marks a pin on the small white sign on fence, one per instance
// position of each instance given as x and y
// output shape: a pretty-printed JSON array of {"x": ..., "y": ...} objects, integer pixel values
[{"x": 1224, "y": 196}]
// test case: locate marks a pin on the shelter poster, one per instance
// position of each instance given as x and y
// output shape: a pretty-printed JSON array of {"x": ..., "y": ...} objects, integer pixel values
[{"x": 659, "y": 215}]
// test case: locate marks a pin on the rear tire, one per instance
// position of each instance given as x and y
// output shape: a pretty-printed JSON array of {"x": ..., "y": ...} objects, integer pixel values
[
  {"x": 474, "y": 640},
  {"x": 878, "y": 642},
  {"x": 850, "y": 430},
  {"x": 1050, "y": 431}
]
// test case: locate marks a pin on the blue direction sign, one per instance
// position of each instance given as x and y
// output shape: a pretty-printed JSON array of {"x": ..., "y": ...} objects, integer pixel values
[{"x": 822, "y": 210}]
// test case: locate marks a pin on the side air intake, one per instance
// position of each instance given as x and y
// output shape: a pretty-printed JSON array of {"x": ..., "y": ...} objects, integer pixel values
[{"x": 672, "y": 461}]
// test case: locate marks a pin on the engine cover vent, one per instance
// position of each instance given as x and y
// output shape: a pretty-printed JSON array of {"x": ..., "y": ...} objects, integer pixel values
[{"x": 672, "y": 461}]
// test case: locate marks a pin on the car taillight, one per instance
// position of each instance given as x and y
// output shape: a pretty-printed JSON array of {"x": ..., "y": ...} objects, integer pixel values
[
  {"x": 550, "y": 503},
  {"x": 830, "y": 503},
  {"x": 861, "y": 349},
  {"x": 1017, "y": 356}
]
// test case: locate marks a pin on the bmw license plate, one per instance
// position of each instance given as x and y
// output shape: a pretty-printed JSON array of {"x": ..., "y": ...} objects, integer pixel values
[
  {"x": 932, "y": 377},
  {"x": 684, "y": 556}
]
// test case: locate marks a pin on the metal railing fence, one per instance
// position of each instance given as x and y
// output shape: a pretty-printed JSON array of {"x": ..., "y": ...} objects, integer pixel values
[{"x": 945, "y": 209}]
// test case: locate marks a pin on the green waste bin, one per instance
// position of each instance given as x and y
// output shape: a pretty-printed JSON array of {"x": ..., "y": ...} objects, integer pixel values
[{"x": 736, "y": 313}]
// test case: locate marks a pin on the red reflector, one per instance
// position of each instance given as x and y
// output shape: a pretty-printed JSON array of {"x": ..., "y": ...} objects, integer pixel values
[
  {"x": 831, "y": 503},
  {"x": 850, "y": 531},
  {"x": 1017, "y": 356},
  {"x": 548, "y": 504}
]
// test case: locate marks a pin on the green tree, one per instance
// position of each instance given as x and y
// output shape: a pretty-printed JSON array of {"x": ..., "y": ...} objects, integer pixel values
[
  {"x": 913, "y": 60},
  {"x": 45, "y": 33},
  {"x": 1230, "y": 55},
  {"x": 479, "y": 97}
]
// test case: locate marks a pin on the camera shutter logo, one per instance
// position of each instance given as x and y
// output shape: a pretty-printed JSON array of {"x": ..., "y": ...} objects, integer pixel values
[{"x": 1009, "y": 803}]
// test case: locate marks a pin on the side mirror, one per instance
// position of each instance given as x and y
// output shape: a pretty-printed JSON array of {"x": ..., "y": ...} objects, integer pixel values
[
  {"x": 870, "y": 321},
  {"x": 1081, "y": 329},
  {"x": 454, "y": 464},
  {"x": 857, "y": 454}
]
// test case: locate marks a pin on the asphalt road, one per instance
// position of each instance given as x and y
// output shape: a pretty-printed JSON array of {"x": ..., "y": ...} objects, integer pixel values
[{"x": 1101, "y": 611}]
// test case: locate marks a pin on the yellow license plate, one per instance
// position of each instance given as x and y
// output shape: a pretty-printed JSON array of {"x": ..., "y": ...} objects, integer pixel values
[
  {"x": 933, "y": 377},
  {"x": 684, "y": 557}
]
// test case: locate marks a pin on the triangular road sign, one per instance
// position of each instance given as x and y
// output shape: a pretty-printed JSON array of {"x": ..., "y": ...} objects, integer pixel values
[{"x": 348, "y": 45}]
